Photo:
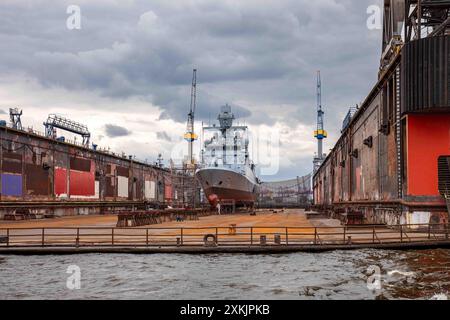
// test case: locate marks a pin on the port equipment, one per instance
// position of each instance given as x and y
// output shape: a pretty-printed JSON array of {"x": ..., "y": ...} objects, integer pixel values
[
  {"x": 320, "y": 133},
  {"x": 54, "y": 121},
  {"x": 14, "y": 115},
  {"x": 190, "y": 135}
]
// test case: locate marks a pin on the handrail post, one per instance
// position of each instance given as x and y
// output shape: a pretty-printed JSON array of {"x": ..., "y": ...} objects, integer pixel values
[
  {"x": 373, "y": 234},
  {"x": 43, "y": 236},
  {"x": 7, "y": 237},
  {"x": 181, "y": 235},
  {"x": 77, "y": 241},
  {"x": 446, "y": 230},
  {"x": 251, "y": 235},
  {"x": 345, "y": 234},
  {"x": 112, "y": 236},
  {"x": 429, "y": 231},
  {"x": 217, "y": 235},
  {"x": 287, "y": 236},
  {"x": 315, "y": 235},
  {"x": 401, "y": 233},
  {"x": 146, "y": 237}
]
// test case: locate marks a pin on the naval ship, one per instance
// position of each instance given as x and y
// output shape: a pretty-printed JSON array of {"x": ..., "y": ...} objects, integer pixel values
[{"x": 226, "y": 173}]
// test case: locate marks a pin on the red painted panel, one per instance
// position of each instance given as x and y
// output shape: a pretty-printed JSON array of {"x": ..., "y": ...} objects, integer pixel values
[
  {"x": 60, "y": 181},
  {"x": 428, "y": 137},
  {"x": 168, "y": 192},
  {"x": 82, "y": 183}
]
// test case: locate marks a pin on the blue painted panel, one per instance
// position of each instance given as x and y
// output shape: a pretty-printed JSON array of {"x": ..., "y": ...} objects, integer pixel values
[{"x": 11, "y": 185}]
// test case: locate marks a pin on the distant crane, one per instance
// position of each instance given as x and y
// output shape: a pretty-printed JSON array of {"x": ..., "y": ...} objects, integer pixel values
[
  {"x": 14, "y": 115},
  {"x": 54, "y": 121},
  {"x": 160, "y": 160},
  {"x": 190, "y": 135},
  {"x": 320, "y": 133}
]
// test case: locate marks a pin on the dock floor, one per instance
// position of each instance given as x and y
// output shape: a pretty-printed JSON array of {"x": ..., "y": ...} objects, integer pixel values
[{"x": 289, "y": 217}]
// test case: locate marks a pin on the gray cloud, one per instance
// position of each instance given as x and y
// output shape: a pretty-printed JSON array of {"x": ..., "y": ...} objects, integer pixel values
[
  {"x": 162, "y": 135},
  {"x": 114, "y": 131},
  {"x": 243, "y": 51},
  {"x": 259, "y": 58}
]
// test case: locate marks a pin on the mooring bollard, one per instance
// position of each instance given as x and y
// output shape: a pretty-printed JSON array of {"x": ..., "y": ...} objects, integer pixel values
[
  {"x": 178, "y": 241},
  {"x": 277, "y": 239},
  {"x": 263, "y": 240},
  {"x": 349, "y": 240},
  {"x": 210, "y": 240},
  {"x": 232, "y": 229}
]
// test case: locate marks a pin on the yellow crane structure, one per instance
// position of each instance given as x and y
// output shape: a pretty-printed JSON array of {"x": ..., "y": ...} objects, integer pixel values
[{"x": 190, "y": 135}]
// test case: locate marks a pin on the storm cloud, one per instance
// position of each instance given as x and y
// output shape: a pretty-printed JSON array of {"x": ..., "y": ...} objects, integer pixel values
[
  {"x": 162, "y": 135},
  {"x": 114, "y": 131},
  {"x": 261, "y": 57}
]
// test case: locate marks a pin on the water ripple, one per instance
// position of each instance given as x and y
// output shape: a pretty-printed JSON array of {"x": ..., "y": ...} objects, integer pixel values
[{"x": 331, "y": 275}]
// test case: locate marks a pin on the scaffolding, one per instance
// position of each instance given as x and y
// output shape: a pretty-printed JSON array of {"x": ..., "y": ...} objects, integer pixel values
[
  {"x": 185, "y": 188},
  {"x": 14, "y": 116},
  {"x": 287, "y": 193}
]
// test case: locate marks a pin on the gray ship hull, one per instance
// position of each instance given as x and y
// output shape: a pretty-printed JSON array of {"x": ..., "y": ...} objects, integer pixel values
[{"x": 226, "y": 184}]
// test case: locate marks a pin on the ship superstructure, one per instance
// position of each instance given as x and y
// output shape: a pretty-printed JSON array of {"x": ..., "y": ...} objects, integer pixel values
[{"x": 227, "y": 174}]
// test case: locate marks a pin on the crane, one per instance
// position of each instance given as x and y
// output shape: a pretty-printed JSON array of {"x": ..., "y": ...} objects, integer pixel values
[
  {"x": 320, "y": 133},
  {"x": 190, "y": 135}
]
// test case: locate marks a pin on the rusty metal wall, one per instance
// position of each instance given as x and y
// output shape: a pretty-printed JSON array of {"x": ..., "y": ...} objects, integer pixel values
[
  {"x": 362, "y": 167},
  {"x": 34, "y": 168},
  {"x": 369, "y": 177}
]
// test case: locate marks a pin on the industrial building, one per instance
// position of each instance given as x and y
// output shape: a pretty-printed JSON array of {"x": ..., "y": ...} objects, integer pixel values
[
  {"x": 392, "y": 162},
  {"x": 293, "y": 193},
  {"x": 43, "y": 175}
]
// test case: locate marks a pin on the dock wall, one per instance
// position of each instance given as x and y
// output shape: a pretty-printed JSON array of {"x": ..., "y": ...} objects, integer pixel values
[
  {"x": 41, "y": 177},
  {"x": 385, "y": 166}
]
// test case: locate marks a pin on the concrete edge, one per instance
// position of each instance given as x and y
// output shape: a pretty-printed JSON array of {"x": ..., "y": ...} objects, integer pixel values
[{"x": 269, "y": 249}]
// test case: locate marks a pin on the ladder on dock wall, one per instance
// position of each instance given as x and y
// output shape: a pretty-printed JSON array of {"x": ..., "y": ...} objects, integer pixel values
[{"x": 444, "y": 179}]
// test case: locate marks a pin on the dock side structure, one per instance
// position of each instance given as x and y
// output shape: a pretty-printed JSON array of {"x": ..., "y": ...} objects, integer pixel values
[
  {"x": 392, "y": 162},
  {"x": 45, "y": 176}
]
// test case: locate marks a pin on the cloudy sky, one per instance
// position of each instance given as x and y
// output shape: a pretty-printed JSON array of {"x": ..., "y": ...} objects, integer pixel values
[{"x": 126, "y": 73}]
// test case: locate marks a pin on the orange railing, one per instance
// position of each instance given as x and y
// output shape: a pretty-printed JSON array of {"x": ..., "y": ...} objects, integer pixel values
[{"x": 221, "y": 236}]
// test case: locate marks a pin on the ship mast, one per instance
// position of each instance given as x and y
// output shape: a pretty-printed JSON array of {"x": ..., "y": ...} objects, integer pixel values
[{"x": 226, "y": 122}]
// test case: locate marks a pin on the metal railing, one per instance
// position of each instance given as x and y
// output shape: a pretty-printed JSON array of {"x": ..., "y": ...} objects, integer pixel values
[{"x": 221, "y": 236}]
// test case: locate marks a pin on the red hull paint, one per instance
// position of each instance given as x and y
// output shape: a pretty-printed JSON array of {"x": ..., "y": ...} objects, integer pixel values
[
  {"x": 241, "y": 197},
  {"x": 428, "y": 138}
]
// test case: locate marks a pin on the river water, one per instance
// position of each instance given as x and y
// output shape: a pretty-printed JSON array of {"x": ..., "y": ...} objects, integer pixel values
[{"x": 330, "y": 275}]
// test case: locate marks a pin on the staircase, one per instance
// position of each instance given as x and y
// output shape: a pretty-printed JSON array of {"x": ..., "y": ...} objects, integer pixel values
[{"x": 444, "y": 179}]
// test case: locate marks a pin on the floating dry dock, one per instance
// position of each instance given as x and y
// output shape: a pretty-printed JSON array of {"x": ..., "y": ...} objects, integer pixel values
[
  {"x": 392, "y": 162},
  {"x": 267, "y": 232}
]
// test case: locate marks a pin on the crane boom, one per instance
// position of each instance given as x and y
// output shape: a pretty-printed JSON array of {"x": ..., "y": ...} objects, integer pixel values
[
  {"x": 190, "y": 135},
  {"x": 320, "y": 133}
]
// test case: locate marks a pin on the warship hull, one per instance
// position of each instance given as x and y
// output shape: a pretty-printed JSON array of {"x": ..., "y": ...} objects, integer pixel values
[{"x": 221, "y": 184}]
